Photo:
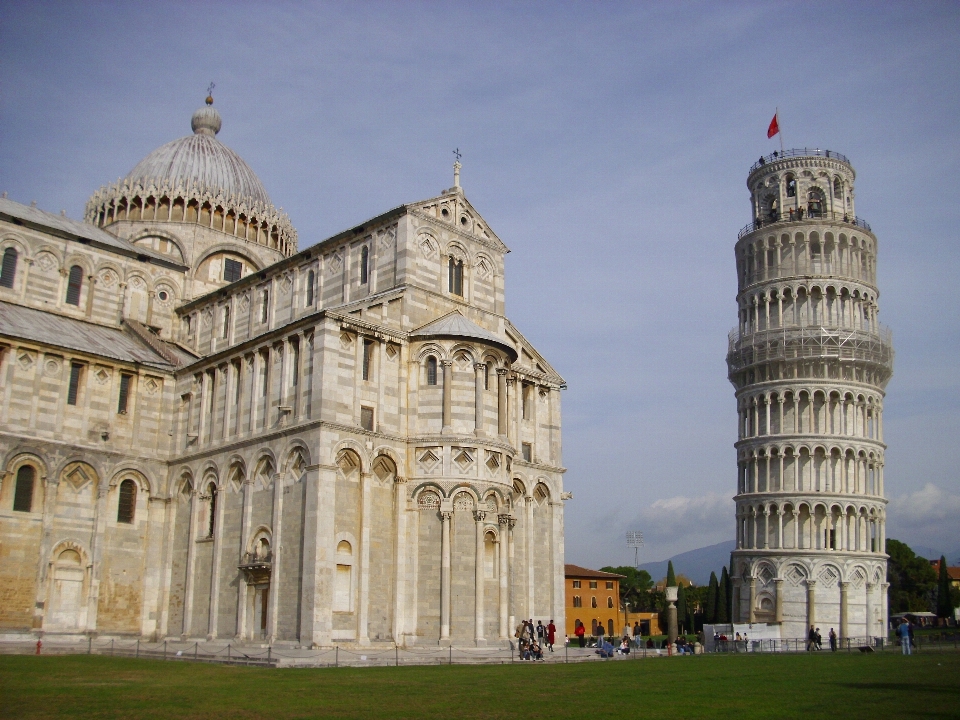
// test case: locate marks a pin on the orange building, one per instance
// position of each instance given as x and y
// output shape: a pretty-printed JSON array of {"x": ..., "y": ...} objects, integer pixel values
[{"x": 593, "y": 598}]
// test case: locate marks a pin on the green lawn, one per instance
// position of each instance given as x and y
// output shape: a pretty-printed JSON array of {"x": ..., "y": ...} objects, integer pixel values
[{"x": 742, "y": 686}]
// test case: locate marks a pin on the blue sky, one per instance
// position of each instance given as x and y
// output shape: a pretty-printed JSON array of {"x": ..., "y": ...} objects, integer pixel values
[{"x": 606, "y": 143}]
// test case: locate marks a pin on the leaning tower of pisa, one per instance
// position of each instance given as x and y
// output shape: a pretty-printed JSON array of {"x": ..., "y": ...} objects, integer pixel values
[{"x": 809, "y": 362}]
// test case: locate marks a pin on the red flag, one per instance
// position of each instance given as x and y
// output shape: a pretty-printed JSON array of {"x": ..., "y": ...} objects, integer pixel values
[{"x": 774, "y": 127}]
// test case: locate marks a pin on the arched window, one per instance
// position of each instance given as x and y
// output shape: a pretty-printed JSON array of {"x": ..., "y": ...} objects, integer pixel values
[
  {"x": 74, "y": 285},
  {"x": 837, "y": 188},
  {"x": 343, "y": 582},
  {"x": 9, "y": 270},
  {"x": 431, "y": 370},
  {"x": 815, "y": 203},
  {"x": 225, "y": 330},
  {"x": 127, "y": 504},
  {"x": 609, "y": 602},
  {"x": 791, "y": 186},
  {"x": 486, "y": 376},
  {"x": 23, "y": 494},
  {"x": 364, "y": 264},
  {"x": 577, "y": 601},
  {"x": 311, "y": 280},
  {"x": 593, "y": 602},
  {"x": 264, "y": 306},
  {"x": 212, "y": 489},
  {"x": 610, "y": 627},
  {"x": 455, "y": 280}
]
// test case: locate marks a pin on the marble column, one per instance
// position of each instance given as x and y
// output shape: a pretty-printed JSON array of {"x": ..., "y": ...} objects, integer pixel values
[
  {"x": 752, "y": 613},
  {"x": 811, "y": 604},
  {"x": 191, "y": 566},
  {"x": 844, "y": 592},
  {"x": 869, "y": 624},
  {"x": 445, "y": 516},
  {"x": 502, "y": 402},
  {"x": 400, "y": 572},
  {"x": 778, "y": 582},
  {"x": 479, "y": 516},
  {"x": 447, "y": 390},
  {"x": 505, "y": 522},
  {"x": 479, "y": 370}
]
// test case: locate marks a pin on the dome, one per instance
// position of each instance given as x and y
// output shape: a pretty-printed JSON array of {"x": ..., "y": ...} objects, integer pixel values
[{"x": 203, "y": 162}]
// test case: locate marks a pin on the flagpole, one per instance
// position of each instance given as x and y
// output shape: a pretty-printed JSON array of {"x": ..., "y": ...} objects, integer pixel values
[{"x": 780, "y": 129}]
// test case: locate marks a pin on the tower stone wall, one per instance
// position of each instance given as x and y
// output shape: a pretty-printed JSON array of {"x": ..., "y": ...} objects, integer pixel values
[{"x": 809, "y": 362}]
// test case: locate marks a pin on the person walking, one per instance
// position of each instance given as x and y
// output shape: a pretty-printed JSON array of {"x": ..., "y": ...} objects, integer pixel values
[
  {"x": 580, "y": 631},
  {"x": 903, "y": 632},
  {"x": 551, "y": 635},
  {"x": 541, "y": 631},
  {"x": 637, "y": 635},
  {"x": 599, "y": 633},
  {"x": 833, "y": 640},
  {"x": 812, "y": 639},
  {"x": 819, "y": 640}
]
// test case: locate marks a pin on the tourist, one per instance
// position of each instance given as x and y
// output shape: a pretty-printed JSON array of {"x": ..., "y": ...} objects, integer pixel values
[
  {"x": 716, "y": 641},
  {"x": 605, "y": 650},
  {"x": 580, "y": 631},
  {"x": 536, "y": 652},
  {"x": 599, "y": 633},
  {"x": 624, "y": 648},
  {"x": 819, "y": 640},
  {"x": 812, "y": 639},
  {"x": 903, "y": 632},
  {"x": 637, "y": 635},
  {"x": 650, "y": 643},
  {"x": 551, "y": 635},
  {"x": 540, "y": 632},
  {"x": 833, "y": 640}
]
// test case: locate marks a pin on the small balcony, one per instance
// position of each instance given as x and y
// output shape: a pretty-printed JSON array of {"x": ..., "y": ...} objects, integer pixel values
[
  {"x": 257, "y": 568},
  {"x": 776, "y": 218}
]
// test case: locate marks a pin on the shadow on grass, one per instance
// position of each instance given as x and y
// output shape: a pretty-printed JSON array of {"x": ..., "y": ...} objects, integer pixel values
[{"x": 908, "y": 689}]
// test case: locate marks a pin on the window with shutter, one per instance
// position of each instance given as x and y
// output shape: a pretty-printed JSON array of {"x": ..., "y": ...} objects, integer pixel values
[
  {"x": 127, "y": 504},
  {"x": 232, "y": 270},
  {"x": 74, "y": 389},
  {"x": 9, "y": 270},
  {"x": 124, "y": 394},
  {"x": 74, "y": 285}
]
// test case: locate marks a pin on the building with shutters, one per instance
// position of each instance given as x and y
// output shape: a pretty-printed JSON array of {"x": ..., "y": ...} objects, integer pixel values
[{"x": 210, "y": 434}]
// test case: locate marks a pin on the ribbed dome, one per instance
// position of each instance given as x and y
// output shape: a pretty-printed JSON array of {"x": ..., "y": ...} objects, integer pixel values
[{"x": 203, "y": 162}]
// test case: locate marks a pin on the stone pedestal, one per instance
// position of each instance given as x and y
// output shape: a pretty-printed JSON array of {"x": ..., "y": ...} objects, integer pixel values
[{"x": 671, "y": 615}]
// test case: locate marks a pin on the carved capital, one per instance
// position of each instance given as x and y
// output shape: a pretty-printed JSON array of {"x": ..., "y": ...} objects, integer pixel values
[
  {"x": 445, "y": 515},
  {"x": 501, "y": 371},
  {"x": 479, "y": 515}
]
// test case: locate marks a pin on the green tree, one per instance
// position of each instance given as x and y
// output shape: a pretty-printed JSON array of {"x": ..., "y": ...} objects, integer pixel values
[
  {"x": 723, "y": 597},
  {"x": 671, "y": 577},
  {"x": 948, "y": 597},
  {"x": 634, "y": 587},
  {"x": 710, "y": 601},
  {"x": 912, "y": 580},
  {"x": 682, "y": 608}
]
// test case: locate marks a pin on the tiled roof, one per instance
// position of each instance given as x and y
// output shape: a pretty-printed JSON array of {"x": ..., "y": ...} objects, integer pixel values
[
  {"x": 26, "y": 323},
  {"x": 575, "y": 571},
  {"x": 455, "y": 325}
]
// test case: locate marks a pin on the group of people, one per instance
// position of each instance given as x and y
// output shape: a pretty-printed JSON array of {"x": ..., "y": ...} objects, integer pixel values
[{"x": 531, "y": 640}]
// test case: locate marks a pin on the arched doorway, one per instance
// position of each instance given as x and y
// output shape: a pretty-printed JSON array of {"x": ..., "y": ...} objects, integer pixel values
[{"x": 66, "y": 598}]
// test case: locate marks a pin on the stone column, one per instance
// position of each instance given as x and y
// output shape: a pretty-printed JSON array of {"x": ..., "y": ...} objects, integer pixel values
[
  {"x": 735, "y": 609},
  {"x": 811, "y": 604},
  {"x": 273, "y": 601},
  {"x": 506, "y": 523},
  {"x": 884, "y": 609},
  {"x": 217, "y": 551},
  {"x": 752, "y": 612},
  {"x": 400, "y": 573},
  {"x": 478, "y": 516},
  {"x": 869, "y": 624},
  {"x": 671, "y": 593},
  {"x": 447, "y": 389},
  {"x": 319, "y": 565},
  {"x": 445, "y": 575},
  {"x": 844, "y": 631},
  {"x": 779, "y": 600},
  {"x": 191, "y": 566},
  {"x": 766, "y": 524},
  {"x": 502, "y": 402},
  {"x": 479, "y": 369},
  {"x": 366, "y": 502},
  {"x": 245, "y": 518}
]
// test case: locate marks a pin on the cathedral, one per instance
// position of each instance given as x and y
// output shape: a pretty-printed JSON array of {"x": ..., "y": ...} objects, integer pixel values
[{"x": 209, "y": 434}]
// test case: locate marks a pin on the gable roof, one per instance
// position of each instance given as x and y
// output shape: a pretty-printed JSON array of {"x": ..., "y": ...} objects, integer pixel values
[
  {"x": 456, "y": 195},
  {"x": 17, "y": 321},
  {"x": 575, "y": 571},
  {"x": 455, "y": 325}
]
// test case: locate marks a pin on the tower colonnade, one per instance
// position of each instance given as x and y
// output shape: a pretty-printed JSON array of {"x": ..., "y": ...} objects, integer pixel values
[{"x": 809, "y": 362}]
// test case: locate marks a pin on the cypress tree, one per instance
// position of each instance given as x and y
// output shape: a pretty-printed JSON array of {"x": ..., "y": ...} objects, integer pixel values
[
  {"x": 710, "y": 603},
  {"x": 682, "y": 607},
  {"x": 671, "y": 578},
  {"x": 723, "y": 607},
  {"x": 943, "y": 591}
]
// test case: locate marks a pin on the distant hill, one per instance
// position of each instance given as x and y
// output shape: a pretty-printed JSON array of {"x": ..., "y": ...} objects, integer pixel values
[{"x": 695, "y": 564}]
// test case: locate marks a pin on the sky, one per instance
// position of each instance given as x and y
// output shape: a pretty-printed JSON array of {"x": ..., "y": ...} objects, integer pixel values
[{"x": 606, "y": 143}]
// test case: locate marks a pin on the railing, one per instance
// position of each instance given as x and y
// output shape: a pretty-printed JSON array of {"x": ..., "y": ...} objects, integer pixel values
[
  {"x": 823, "y": 343},
  {"x": 792, "y": 217},
  {"x": 799, "y": 152},
  {"x": 352, "y": 656}
]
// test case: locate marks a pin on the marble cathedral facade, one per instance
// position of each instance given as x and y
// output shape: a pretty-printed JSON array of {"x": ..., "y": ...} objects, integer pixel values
[{"x": 208, "y": 434}]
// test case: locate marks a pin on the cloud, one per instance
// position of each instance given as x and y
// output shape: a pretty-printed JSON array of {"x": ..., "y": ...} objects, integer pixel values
[
  {"x": 679, "y": 523},
  {"x": 925, "y": 517}
]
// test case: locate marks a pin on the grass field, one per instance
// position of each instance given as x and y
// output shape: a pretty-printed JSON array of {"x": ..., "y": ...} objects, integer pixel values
[{"x": 743, "y": 686}]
